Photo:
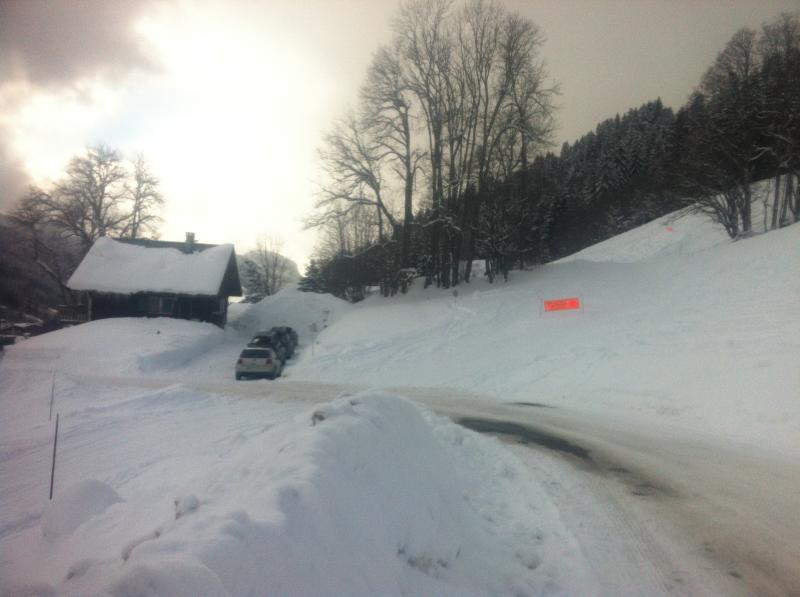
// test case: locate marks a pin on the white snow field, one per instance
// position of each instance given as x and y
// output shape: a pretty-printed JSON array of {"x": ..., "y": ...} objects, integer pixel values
[
  {"x": 165, "y": 489},
  {"x": 172, "y": 479},
  {"x": 680, "y": 327}
]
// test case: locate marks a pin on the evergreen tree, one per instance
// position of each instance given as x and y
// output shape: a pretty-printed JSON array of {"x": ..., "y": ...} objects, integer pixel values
[
  {"x": 252, "y": 281},
  {"x": 313, "y": 280}
]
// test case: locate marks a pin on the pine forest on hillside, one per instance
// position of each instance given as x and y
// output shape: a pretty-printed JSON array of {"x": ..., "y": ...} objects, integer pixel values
[{"x": 447, "y": 158}]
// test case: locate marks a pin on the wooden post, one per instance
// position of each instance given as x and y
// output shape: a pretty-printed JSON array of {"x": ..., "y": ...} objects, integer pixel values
[
  {"x": 53, "y": 468},
  {"x": 313, "y": 329}
]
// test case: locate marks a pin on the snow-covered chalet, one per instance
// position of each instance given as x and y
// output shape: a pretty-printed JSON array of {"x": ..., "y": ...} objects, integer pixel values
[{"x": 153, "y": 278}]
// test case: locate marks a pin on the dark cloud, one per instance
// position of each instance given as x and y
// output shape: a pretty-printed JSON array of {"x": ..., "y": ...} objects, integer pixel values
[{"x": 55, "y": 43}]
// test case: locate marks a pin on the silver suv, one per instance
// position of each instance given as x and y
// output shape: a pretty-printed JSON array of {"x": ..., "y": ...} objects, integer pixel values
[{"x": 258, "y": 362}]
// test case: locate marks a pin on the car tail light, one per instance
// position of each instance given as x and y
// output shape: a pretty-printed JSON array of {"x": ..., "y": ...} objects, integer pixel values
[
  {"x": 239, "y": 362},
  {"x": 268, "y": 361}
]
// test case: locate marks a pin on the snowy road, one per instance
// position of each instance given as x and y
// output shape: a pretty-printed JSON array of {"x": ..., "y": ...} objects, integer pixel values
[
  {"x": 684, "y": 514},
  {"x": 657, "y": 510}
]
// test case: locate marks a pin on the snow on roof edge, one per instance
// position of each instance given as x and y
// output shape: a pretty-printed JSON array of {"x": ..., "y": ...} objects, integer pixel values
[{"x": 122, "y": 268}]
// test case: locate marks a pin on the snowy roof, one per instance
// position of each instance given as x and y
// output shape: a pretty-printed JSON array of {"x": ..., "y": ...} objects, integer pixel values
[{"x": 120, "y": 267}]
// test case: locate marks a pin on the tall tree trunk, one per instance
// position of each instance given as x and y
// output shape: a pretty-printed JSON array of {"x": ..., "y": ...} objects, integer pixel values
[
  {"x": 788, "y": 193},
  {"x": 405, "y": 252},
  {"x": 746, "y": 210},
  {"x": 444, "y": 274},
  {"x": 775, "y": 203},
  {"x": 405, "y": 243},
  {"x": 465, "y": 233},
  {"x": 456, "y": 260},
  {"x": 473, "y": 220},
  {"x": 433, "y": 264}
]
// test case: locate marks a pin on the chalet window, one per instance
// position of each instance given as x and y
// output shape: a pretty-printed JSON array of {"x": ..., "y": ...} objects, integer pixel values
[
  {"x": 167, "y": 306},
  {"x": 160, "y": 305}
]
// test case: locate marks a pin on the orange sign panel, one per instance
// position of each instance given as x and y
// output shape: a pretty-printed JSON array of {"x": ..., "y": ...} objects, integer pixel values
[{"x": 564, "y": 304}]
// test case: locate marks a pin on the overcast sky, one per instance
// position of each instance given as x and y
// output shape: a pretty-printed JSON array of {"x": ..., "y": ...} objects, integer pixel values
[{"x": 228, "y": 99}]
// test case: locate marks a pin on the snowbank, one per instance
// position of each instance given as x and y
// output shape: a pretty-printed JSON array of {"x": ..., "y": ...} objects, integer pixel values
[
  {"x": 304, "y": 311},
  {"x": 120, "y": 346},
  {"x": 361, "y": 496},
  {"x": 165, "y": 347},
  {"x": 74, "y": 506},
  {"x": 308, "y": 313}
]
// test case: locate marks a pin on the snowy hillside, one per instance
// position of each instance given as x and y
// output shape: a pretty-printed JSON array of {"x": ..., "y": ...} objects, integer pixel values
[
  {"x": 672, "y": 235},
  {"x": 679, "y": 325}
]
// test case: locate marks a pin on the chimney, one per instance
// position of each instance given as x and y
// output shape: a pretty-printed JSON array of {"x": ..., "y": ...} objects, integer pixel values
[{"x": 190, "y": 242}]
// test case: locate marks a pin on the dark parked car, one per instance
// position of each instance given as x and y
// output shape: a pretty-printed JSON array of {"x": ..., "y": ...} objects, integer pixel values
[
  {"x": 293, "y": 335},
  {"x": 271, "y": 340},
  {"x": 287, "y": 335},
  {"x": 258, "y": 362}
]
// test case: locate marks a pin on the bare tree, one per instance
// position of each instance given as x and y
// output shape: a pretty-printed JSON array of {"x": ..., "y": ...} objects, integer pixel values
[
  {"x": 480, "y": 87},
  {"x": 457, "y": 98},
  {"x": 734, "y": 125},
  {"x": 145, "y": 201},
  {"x": 422, "y": 37},
  {"x": 387, "y": 104},
  {"x": 512, "y": 119},
  {"x": 345, "y": 231},
  {"x": 352, "y": 163},
  {"x": 780, "y": 53},
  {"x": 100, "y": 196},
  {"x": 89, "y": 202},
  {"x": 272, "y": 265},
  {"x": 52, "y": 252}
]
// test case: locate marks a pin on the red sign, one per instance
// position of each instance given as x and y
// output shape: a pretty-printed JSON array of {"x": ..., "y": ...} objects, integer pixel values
[
  {"x": 565, "y": 304},
  {"x": 669, "y": 228}
]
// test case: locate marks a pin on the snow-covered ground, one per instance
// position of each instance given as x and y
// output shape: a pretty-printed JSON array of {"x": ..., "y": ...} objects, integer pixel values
[
  {"x": 164, "y": 489},
  {"x": 176, "y": 492},
  {"x": 172, "y": 479},
  {"x": 679, "y": 326}
]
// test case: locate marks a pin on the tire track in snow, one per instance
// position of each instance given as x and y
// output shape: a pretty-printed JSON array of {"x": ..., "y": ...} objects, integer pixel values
[{"x": 691, "y": 514}]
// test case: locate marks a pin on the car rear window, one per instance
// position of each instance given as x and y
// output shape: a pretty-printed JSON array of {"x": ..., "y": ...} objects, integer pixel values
[{"x": 255, "y": 353}]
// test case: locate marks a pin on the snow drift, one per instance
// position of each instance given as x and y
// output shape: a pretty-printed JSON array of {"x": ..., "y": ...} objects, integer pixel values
[
  {"x": 307, "y": 312},
  {"x": 120, "y": 346},
  {"x": 74, "y": 506},
  {"x": 360, "y": 496}
]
